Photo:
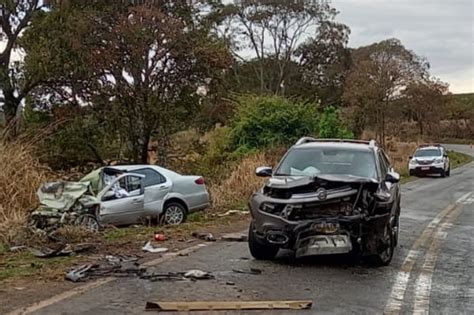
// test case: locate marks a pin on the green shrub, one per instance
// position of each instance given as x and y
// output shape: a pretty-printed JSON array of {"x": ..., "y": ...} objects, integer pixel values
[
  {"x": 331, "y": 126},
  {"x": 264, "y": 121}
]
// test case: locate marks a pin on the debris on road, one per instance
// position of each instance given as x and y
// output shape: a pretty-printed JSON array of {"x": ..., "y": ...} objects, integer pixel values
[
  {"x": 208, "y": 237},
  {"x": 60, "y": 250},
  {"x": 235, "y": 237},
  {"x": 228, "y": 305},
  {"x": 251, "y": 271},
  {"x": 159, "y": 237},
  {"x": 230, "y": 283},
  {"x": 231, "y": 212},
  {"x": 110, "y": 266},
  {"x": 149, "y": 248},
  {"x": 77, "y": 274},
  {"x": 198, "y": 275}
]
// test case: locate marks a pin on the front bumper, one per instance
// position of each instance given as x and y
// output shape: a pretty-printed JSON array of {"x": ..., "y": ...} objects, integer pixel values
[
  {"x": 328, "y": 235},
  {"x": 431, "y": 168}
]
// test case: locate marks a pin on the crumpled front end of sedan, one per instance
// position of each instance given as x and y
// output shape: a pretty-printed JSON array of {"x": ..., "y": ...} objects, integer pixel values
[{"x": 322, "y": 215}]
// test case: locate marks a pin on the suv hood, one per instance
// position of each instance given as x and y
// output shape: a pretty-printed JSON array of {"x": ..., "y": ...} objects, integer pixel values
[{"x": 297, "y": 181}]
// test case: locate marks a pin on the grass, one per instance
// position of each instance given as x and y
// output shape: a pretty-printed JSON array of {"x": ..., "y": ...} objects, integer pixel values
[
  {"x": 458, "y": 159},
  {"x": 23, "y": 264}
]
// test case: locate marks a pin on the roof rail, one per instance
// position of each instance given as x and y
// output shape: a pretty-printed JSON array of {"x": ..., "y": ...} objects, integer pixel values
[
  {"x": 429, "y": 145},
  {"x": 371, "y": 143}
]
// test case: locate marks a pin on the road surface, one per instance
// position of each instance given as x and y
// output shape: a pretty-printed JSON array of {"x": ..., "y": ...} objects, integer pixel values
[{"x": 432, "y": 271}]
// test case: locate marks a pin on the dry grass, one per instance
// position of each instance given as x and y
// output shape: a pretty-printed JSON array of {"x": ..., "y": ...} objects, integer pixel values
[
  {"x": 235, "y": 190},
  {"x": 20, "y": 177}
]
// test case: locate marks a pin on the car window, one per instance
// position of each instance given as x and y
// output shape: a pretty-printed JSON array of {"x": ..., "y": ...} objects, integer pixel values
[
  {"x": 428, "y": 152},
  {"x": 384, "y": 165},
  {"x": 333, "y": 161},
  {"x": 151, "y": 177}
]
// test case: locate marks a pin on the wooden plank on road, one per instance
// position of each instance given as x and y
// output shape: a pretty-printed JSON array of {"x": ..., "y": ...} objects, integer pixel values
[{"x": 228, "y": 305}]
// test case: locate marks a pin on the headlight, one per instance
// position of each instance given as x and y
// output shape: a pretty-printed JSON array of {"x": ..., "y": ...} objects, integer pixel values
[
  {"x": 413, "y": 162},
  {"x": 438, "y": 160},
  {"x": 270, "y": 207}
]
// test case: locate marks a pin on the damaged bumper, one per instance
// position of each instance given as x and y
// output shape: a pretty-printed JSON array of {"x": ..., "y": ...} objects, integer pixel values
[{"x": 325, "y": 233}]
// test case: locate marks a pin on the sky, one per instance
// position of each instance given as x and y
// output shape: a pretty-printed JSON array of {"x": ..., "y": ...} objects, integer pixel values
[{"x": 440, "y": 30}]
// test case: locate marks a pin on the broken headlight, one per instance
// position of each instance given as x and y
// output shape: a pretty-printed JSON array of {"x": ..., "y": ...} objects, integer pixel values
[{"x": 272, "y": 208}]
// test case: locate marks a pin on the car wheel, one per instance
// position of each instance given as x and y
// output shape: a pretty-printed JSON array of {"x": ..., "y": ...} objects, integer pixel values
[
  {"x": 448, "y": 172},
  {"x": 88, "y": 222},
  {"x": 260, "y": 250},
  {"x": 412, "y": 173},
  {"x": 443, "y": 173},
  {"x": 174, "y": 214},
  {"x": 384, "y": 257}
]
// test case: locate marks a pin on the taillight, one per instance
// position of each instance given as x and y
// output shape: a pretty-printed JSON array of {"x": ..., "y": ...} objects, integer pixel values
[{"x": 199, "y": 181}]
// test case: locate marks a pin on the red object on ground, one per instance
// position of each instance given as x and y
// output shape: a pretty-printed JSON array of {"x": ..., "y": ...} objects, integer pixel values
[{"x": 160, "y": 237}]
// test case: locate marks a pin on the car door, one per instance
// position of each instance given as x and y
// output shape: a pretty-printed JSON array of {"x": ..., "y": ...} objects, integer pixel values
[
  {"x": 125, "y": 209},
  {"x": 157, "y": 187}
]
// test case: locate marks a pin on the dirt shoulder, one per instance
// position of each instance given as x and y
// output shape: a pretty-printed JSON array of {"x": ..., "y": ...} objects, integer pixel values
[{"x": 26, "y": 279}]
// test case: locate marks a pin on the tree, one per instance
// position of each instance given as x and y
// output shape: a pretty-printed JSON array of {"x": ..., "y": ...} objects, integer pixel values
[
  {"x": 378, "y": 75},
  {"x": 331, "y": 126},
  {"x": 426, "y": 102},
  {"x": 143, "y": 69},
  {"x": 326, "y": 61},
  {"x": 273, "y": 30},
  {"x": 15, "y": 16}
]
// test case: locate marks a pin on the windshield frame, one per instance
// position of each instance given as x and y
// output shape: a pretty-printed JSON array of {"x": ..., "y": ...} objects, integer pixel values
[{"x": 370, "y": 151}]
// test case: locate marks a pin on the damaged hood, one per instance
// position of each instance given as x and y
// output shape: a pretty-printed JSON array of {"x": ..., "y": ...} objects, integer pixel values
[
  {"x": 297, "y": 181},
  {"x": 63, "y": 195}
]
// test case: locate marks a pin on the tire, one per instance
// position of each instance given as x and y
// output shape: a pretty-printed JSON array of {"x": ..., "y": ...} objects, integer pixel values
[
  {"x": 412, "y": 173},
  {"x": 261, "y": 250},
  {"x": 384, "y": 257},
  {"x": 448, "y": 172},
  {"x": 175, "y": 213},
  {"x": 442, "y": 173},
  {"x": 88, "y": 222}
]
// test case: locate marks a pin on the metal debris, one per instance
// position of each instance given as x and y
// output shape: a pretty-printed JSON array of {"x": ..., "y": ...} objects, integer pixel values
[
  {"x": 235, "y": 237},
  {"x": 228, "y": 305},
  {"x": 231, "y": 212},
  {"x": 209, "y": 237},
  {"x": 198, "y": 274},
  {"x": 149, "y": 248},
  {"x": 251, "y": 271}
]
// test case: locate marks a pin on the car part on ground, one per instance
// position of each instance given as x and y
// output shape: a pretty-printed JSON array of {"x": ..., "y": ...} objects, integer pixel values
[
  {"x": 328, "y": 197},
  {"x": 429, "y": 159},
  {"x": 227, "y": 305},
  {"x": 149, "y": 248}
]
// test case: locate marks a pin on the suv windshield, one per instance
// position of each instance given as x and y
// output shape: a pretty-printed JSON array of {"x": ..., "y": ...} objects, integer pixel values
[
  {"x": 314, "y": 161},
  {"x": 428, "y": 152}
]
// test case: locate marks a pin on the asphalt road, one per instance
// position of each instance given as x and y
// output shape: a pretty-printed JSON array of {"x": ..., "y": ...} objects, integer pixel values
[{"x": 432, "y": 271}]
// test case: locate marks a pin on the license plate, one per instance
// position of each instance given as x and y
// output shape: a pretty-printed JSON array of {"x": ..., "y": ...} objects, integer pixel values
[{"x": 425, "y": 168}]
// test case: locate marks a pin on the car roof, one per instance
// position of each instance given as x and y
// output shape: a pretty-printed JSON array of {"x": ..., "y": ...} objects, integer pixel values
[
  {"x": 430, "y": 148},
  {"x": 335, "y": 145},
  {"x": 134, "y": 167}
]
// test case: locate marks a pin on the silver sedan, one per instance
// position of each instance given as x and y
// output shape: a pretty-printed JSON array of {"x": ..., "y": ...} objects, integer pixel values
[{"x": 128, "y": 193}]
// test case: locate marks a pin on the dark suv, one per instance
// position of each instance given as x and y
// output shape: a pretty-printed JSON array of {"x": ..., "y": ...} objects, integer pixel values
[{"x": 328, "y": 196}]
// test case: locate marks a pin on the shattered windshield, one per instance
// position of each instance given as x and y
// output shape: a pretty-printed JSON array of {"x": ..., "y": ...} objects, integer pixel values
[
  {"x": 428, "y": 152},
  {"x": 327, "y": 161}
]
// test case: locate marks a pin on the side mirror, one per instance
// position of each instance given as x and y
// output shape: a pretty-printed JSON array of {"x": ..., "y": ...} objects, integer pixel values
[
  {"x": 410, "y": 157},
  {"x": 445, "y": 155},
  {"x": 263, "y": 171},
  {"x": 392, "y": 177}
]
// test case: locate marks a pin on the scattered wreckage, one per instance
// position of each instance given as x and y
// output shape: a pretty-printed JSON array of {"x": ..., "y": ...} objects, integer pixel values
[
  {"x": 119, "y": 195},
  {"x": 328, "y": 197}
]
